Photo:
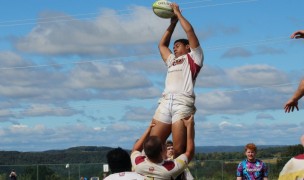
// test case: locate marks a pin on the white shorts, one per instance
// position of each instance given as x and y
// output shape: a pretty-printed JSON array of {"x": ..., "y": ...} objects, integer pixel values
[{"x": 172, "y": 108}]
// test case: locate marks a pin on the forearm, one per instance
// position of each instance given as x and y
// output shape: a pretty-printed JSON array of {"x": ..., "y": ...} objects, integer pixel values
[
  {"x": 193, "y": 40},
  {"x": 165, "y": 40},
  {"x": 184, "y": 23},
  {"x": 299, "y": 92},
  {"x": 138, "y": 146}
]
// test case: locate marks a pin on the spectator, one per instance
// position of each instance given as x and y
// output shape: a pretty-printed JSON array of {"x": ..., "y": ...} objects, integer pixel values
[
  {"x": 152, "y": 164},
  {"x": 251, "y": 168},
  {"x": 293, "y": 101},
  {"x": 13, "y": 175},
  {"x": 120, "y": 165},
  {"x": 169, "y": 150},
  {"x": 294, "y": 168}
]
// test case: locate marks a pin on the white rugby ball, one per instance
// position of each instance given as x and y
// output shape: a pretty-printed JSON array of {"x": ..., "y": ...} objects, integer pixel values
[{"x": 163, "y": 9}]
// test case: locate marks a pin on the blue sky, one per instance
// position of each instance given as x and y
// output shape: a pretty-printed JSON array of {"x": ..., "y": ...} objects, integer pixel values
[{"x": 88, "y": 73}]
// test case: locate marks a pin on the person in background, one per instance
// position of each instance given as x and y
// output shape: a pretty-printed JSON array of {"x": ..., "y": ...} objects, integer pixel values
[
  {"x": 120, "y": 165},
  {"x": 292, "y": 103},
  {"x": 169, "y": 150},
  {"x": 13, "y": 175},
  {"x": 251, "y": 168},
  {"x": 294, "y": 168},
  {"x": 152, "y": 163}
]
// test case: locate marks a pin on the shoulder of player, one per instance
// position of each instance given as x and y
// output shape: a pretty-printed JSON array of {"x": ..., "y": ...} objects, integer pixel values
[{"x": 300, "y": 156}]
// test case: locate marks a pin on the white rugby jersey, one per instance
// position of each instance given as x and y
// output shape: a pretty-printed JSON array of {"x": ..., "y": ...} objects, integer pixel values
[
  {"x": 161, "y": 171},
  {"x": 293, "y": 169},
  {"x": 125, "y": 176},
  {"x": 182, "y": 72}
]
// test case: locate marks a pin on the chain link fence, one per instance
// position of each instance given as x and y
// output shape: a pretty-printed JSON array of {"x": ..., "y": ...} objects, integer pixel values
[{"x": 201, "y": 170}]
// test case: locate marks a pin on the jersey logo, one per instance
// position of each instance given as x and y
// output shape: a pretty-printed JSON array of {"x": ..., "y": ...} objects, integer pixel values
[{"x": 178, "y": 61}]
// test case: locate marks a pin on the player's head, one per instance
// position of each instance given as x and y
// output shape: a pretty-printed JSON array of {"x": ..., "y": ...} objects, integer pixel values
[
  {"x": 181, "y": 47},
  {"x": 250, "y": 151},
  {"x": 170, "y": 150},
  {"x": 119, "y": 160},
  {"x": 302, "y": 140},
  {"x": 153, "y": 147}
]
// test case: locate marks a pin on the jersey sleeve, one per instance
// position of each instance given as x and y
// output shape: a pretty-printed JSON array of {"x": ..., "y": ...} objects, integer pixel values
[
  {"x": 181, "y": 163},
  {"x": 239, "y": 170},
  {"x": 265, "y": 170},
  {"x": 170, "y": 60},
  {"x": 134, "y": 155},
  {"x": 197, "y": 55}
]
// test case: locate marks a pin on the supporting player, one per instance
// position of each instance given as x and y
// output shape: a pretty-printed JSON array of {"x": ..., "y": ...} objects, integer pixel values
[
  {"x": 152, "y": 163},
  {"x": 184, "y": 64}
]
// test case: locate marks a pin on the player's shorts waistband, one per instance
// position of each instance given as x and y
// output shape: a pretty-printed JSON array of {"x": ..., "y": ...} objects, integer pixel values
[{"x": 177, "y": 96}]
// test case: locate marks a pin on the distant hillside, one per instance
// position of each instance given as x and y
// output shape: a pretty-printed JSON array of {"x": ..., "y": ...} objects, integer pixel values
[
  {"x": 82, "y": 154},
  {"x": 211, "y": 149},
  {"x": 94, "y": 154}
]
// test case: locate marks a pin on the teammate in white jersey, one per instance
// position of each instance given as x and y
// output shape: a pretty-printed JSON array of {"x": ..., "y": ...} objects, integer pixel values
[
  {"x": 294, "y": 168},
  {"x": 184, "y": 64},
  {"x": 152, "y": 163}
]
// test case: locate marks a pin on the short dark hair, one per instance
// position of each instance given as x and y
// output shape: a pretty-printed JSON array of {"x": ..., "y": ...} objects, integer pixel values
[
  {"x": 153, "y": 147},
  {"x": 183, "y": 41},
  {"x": 169, "y": 143},
  {"x": 119, "y": 160}
]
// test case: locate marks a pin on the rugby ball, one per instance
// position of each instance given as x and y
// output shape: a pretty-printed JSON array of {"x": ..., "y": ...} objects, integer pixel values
[{"x": 163, "y": 9}]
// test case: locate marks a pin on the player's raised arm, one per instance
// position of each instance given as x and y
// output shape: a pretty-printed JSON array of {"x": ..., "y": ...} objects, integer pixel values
[
  {"x": 138, "y": 146},
  {"x": 164, "y": 43},
  {"x": 293, "y": 102},
  {"x": 193, "y": 40}
]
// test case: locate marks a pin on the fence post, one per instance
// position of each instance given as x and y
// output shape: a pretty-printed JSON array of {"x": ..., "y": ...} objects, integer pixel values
[
  {"x": 222, "y": 169},
  {"x": 78, "y": 171},
  {"x": 37, "y": 172}
]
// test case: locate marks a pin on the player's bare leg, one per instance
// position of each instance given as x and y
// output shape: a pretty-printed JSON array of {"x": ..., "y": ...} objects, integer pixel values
[
  {"x": 179, "y": 137},
  {"x": 162, "y": 130}
]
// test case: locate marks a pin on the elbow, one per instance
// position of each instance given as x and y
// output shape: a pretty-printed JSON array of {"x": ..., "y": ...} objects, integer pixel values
[{"x": 189, "y": 29}]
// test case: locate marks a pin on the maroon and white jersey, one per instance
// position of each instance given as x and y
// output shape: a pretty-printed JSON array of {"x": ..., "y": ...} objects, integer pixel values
[
  {"x": 125, "y": 176},
  {"x": 182, "y": 72},
  {"x": 293, "y": 169},
  {"x": 163, "y": 171}
]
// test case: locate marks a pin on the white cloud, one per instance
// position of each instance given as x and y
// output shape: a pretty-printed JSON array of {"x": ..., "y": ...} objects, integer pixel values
[
  {"x": 237, "y": 52},
  {"x": 109, "y": 34}
]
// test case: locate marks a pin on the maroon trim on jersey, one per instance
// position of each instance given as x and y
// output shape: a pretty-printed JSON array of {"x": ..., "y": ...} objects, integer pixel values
[
  {"x": 194, "y": 68},
  {"x": 169, "y": 165},
  {"x": 300, "y": 156},
  {"x": 139, "y": 159}
]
